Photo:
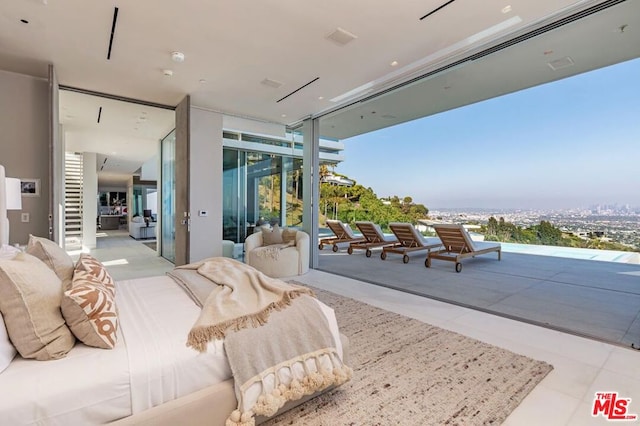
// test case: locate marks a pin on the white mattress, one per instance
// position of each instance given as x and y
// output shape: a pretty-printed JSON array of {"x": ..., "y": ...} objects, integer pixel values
[{"x": 149, "y": 365}]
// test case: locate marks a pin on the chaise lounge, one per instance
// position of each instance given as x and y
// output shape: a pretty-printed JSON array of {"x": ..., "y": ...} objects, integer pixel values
[
  {"x": 373, "y": 237},
  {"x": 409, "y": 240},
  {"x": 458, "y": 245},
  {"x": 343, "y": 234}
]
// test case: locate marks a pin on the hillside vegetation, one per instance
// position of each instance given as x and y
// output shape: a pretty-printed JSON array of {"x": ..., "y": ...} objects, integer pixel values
[
  {"x": 543, "y": 234},
  {"x": 352, "y": 203}
]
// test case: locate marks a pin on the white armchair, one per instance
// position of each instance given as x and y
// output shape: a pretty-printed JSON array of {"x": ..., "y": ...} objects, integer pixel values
[{"x": 278, "y": 260}]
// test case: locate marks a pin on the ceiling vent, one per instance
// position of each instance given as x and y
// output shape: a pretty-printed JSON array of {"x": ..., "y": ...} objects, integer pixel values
[
  {"x": 341, "y": 37},
  {"x": 271, "y": 83},
  {"x": 561, "y": 63}
]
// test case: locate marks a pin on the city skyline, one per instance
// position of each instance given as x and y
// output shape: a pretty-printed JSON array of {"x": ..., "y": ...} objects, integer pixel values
[{"x": 571, "y": 143}]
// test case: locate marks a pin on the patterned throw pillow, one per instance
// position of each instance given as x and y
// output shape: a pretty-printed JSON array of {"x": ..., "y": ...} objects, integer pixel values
[
  {"x": 90, "y": 311},
  {"x": 53, "y": 256},
  {"x": 273, "y": 236},
  {"x": 93, "y": 266}
]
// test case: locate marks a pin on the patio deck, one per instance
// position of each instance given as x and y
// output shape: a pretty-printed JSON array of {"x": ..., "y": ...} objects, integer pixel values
[{"x": 594, "y": 299}]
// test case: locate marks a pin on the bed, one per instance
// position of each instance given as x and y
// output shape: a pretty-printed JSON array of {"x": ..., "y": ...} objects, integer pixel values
[{"x": 149, "y": 376}]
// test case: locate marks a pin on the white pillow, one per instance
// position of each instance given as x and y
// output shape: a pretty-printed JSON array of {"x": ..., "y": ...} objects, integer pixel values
[
  {"x": 7, "y": 350},
  {"x": 137, "y": 219},
  {"x": 8, "y": 252}
]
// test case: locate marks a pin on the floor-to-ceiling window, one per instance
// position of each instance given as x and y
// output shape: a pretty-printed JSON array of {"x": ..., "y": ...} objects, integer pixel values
[
  {"x": 263, "y": 181},
  {"x": 168, "y": 208},
  {"x": 259, "y": 188}
]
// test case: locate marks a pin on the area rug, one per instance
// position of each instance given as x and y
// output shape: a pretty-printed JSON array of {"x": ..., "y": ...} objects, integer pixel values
[{"x": 407, "y": 372}]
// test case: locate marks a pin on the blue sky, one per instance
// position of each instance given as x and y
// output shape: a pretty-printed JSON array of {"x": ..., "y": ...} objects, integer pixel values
[{"x": 567, "y": 144}]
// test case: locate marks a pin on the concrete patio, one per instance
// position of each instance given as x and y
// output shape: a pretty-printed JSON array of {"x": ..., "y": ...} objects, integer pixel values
[{"x": 594, "y": 299}]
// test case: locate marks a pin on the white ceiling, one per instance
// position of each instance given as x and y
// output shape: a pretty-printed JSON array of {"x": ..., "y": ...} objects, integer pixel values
[
  {"x": 126, "y": 136},
  {"x": 231, "y": 47}
]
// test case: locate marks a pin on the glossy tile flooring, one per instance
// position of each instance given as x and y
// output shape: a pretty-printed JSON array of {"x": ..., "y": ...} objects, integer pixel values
[{"x": 582, "y": 366}]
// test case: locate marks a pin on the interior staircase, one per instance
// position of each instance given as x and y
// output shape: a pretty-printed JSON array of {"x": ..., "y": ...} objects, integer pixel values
[{"x": 73, "y": 201}]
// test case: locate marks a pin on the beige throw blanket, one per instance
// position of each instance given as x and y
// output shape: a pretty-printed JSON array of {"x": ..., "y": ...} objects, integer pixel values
[{"x": 277, "y": 340}]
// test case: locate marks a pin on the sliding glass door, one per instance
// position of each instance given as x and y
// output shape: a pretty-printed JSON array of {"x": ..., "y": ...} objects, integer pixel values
[
  {"x": 168, "y": 206},
  {"x": 259, "y": 188}
]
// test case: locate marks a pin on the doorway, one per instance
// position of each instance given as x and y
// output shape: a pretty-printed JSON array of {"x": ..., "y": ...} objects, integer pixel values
[{"x": 117, "y": 142}]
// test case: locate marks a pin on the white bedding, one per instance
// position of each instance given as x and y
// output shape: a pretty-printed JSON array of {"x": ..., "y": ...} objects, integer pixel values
[{"x": 149, "y": 365}]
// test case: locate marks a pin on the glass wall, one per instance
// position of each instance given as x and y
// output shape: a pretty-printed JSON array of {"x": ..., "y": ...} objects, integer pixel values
[
  {"x": 168, "y": 206},
  {"x": 145, "y": 199},
  {"x": 260, "y": 188}
]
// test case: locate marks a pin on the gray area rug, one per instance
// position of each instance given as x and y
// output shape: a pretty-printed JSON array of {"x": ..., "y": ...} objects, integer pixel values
[{"x": 407, "y": 372}]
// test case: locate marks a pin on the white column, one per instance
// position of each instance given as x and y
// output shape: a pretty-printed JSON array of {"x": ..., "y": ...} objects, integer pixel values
[{"x": 89, "y": 204}]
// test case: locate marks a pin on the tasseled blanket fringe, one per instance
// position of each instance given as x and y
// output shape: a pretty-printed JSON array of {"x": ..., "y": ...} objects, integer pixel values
[
  {"x": 269, "y": 403},
  {"x": 200, "y": 336}
]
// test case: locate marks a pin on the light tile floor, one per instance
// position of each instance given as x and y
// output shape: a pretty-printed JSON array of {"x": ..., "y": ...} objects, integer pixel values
[{"x": 582, "y": 366}]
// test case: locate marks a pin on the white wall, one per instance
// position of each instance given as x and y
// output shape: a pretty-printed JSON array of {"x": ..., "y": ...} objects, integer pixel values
[
  {"x": 149, "y": 169},
  {"x": 252, "y": 126},
  {"x": 205, "y": 177},
  {"x": 89, "y": 202}
]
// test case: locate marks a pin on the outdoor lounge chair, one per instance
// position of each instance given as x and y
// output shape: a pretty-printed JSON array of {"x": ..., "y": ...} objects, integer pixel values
[
  {"x": 409, "y": 240},
  {"x": 373, "y": 237},
  {"x": 343, "y": 234},
  {"x": 458, "y": 244}
]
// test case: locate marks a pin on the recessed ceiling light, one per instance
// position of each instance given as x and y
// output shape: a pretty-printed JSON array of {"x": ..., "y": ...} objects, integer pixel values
[
  {"x": 320, "y": 98},
  {"x": 284, "y": 115},
  {"x": 506, "y": 9},
  {"x": 202, "y": 81},
  {"x": 394, "y": 63},
  {"x": 177, "y": 56},
  {"x": 167, "y": 73},
  {"x": 114, "y": 152}
]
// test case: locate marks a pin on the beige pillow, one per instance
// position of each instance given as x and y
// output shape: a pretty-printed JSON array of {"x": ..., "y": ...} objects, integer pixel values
[
  {"x": 7, "y": 350},
  {"x": 90, "y": 311},
  {"x": 93, "y": 266},
  {"x": 30, "y": 296},
  {"x": 8, "y": 252},
  {"x": 53, "y": 256},
  {"x": 289, "y": 236},
  {"x": 273, "y": 236}
]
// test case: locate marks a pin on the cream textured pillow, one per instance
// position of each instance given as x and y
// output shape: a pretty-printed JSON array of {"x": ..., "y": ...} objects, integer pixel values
[
  {"x": 8, "y": 252},
  {"x": 53, "y": 256},
  {"x": 90, "y": 311},
  {"x": 289, "y": 236},
  {"x": 30, "y": 295},
  {"x": 7, "y": 350},
  {"x": 273, "y": 236},
  {"x": 93, "y": 266}
]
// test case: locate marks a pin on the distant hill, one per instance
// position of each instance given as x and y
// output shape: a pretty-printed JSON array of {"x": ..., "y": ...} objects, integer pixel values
[{"x": 351, "y": 203}]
